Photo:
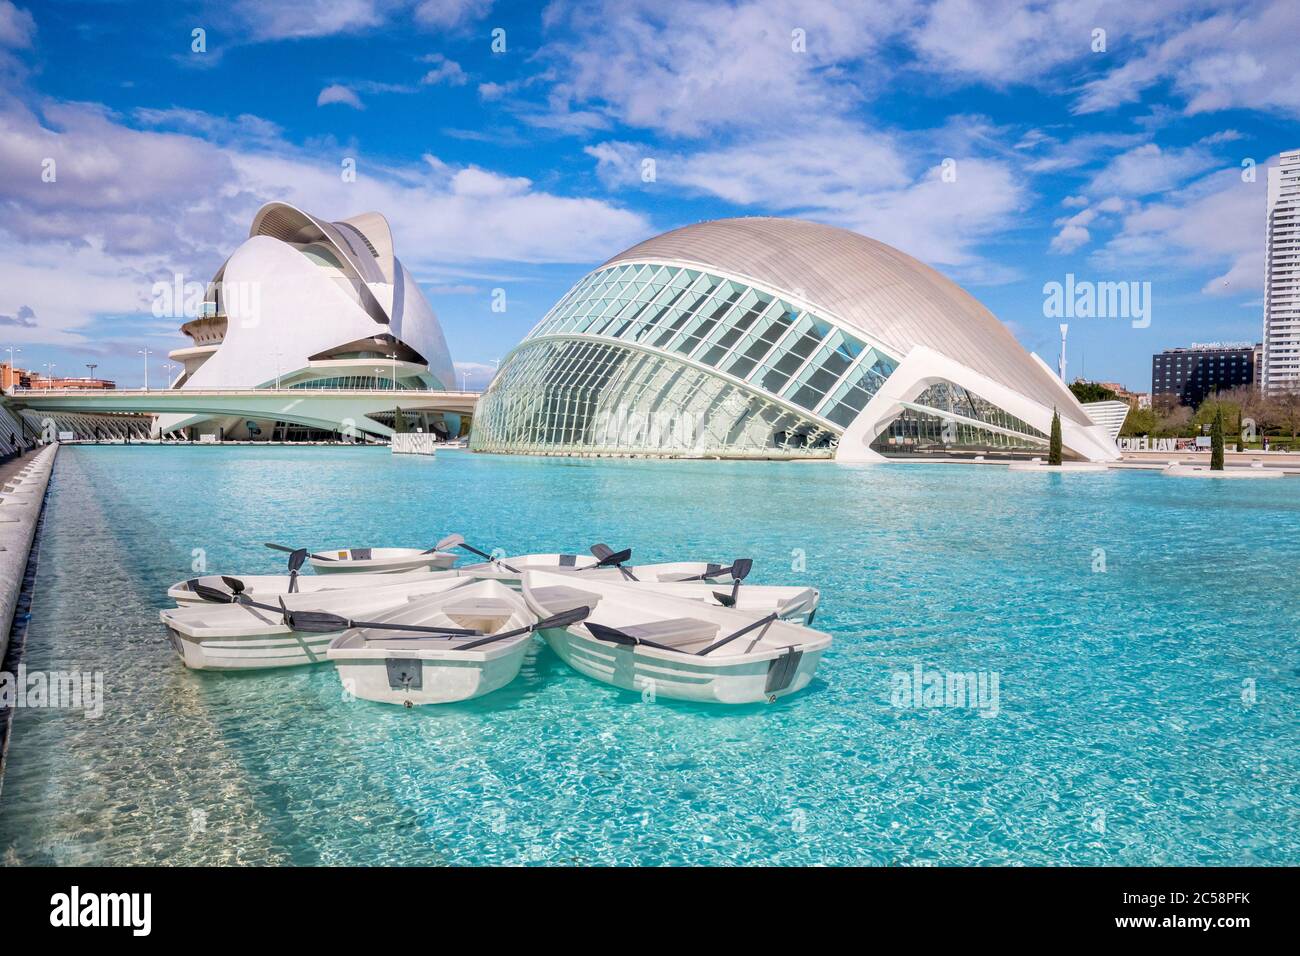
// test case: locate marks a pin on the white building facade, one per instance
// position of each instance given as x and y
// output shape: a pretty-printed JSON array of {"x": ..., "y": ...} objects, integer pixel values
[
  {"x": 775, "y": 338},
  {"x": 1280, "y": 369},
  {"x": 308, "y": 304}
]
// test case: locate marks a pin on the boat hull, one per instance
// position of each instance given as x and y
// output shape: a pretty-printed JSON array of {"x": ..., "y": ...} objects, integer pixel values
[
  {"x": 444, "y": 678},
  {"x": 693, "y": 679},
  {"x": 412, "y": 562},
  {"x": 267, "y": 587},
  {"x": 291, "y": 649}
]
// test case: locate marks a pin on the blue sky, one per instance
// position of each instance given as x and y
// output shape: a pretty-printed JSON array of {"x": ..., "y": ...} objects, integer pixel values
[{"x": 522, "y": 169}]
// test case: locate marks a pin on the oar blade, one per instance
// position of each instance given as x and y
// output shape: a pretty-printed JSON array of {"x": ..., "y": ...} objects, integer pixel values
[
  {"x": 208, "y": 593},
  {"x": 449, "y": 542},
  {"x": 313, "y": 622},
  {"x": 741, "y": 567},
  {"x": 726, "y": 600},
  {"x": 611, "y": 635},
  {"x": 236, "y": 586},
  {"x": 297, "y": 558},
  {"x": 279, "y": 547},
  {"x": 564, "y": 619}
]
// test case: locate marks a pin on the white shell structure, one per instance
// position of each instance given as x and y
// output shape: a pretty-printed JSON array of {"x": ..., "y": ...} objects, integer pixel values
[
  {"x": 307, "y": 303},
  {"x": 770, "y": 337}
]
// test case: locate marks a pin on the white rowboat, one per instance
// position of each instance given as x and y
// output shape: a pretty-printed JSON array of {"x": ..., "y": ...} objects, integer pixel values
[
  {"x": 644, "y": 641},
  {"x": 242, "y": 636},
  {"x": 392, "y": 667},
  {"x": 379, "y": 559},
  {"x": 267, "y": 586}
]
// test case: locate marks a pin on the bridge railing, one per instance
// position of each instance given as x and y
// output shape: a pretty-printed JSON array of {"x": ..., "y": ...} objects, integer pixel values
[{"x": 119, "y": 392}]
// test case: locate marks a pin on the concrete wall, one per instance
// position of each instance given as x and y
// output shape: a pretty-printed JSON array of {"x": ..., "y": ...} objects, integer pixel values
[{"x": 21, "y": 498}]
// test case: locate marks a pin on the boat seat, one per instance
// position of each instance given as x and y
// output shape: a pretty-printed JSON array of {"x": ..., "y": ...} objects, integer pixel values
[
  {"x": 475, "y": 606},
  {"x": 674, "y": 632},
  {"x": 557, "y": 598}
]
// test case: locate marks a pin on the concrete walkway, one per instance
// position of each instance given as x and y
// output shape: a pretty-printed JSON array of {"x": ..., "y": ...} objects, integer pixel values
[{"x": 22, "y": 493}]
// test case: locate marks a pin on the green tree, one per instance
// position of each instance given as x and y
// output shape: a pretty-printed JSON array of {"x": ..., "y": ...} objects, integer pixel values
[
  {"x": 1216, "y": 442},
  {"x": 399, "y": 422},
  {"x": 1054, "y": 448},
  {"x": 1091, "y": 391}
]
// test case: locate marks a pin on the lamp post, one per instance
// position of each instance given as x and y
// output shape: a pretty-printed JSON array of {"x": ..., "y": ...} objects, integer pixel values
[
  {"x": 49, "y": 374},
  {"x": 169, "y": 366},
  {"x": 146, "y": 353},
  {"x": 90, "y": 367},
  {"x": 393, "y": 356},
  {"x": 13, "y": 376}
]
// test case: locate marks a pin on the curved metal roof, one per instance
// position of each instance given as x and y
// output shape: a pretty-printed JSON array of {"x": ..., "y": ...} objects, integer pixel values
[{"x": 865, "y": 284}]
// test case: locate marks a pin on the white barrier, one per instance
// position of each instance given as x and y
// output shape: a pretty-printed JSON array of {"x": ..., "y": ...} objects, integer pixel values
[{"x": 413, "y": 443}]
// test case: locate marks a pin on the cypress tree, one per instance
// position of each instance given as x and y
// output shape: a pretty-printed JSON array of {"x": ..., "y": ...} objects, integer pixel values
[
  {"x": 1054, "y": 448},
  {"x": 399, "y": 422},
  {"x": 1216, "y": 441}
]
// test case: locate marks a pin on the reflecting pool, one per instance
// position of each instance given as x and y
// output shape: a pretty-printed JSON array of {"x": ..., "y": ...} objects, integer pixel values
[{"x": 1141, "y": 630}]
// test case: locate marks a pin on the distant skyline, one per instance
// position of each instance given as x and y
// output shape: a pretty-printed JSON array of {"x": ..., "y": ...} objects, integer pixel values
[{"x": 515, "y": 147}]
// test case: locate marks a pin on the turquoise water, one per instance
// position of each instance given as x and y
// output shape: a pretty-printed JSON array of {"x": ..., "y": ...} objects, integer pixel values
[{"x": 1125, "y": 732}]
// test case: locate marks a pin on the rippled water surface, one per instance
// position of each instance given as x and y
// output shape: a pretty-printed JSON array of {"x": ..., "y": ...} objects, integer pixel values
[{"x": 1143, "y": 631}]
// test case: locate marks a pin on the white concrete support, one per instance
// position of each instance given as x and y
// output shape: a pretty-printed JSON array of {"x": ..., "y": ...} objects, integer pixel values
[{"x": 924, "y": 367}]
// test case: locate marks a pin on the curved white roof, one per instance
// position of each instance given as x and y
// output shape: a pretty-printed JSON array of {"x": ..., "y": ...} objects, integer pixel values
[
  {"x": 365, "y": 243},
  {"x": 866, "y": 284}
]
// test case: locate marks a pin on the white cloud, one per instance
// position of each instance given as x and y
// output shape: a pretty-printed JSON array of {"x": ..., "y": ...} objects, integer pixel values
[
  {"x": 1243, "y": 57},
  {"x": 302, "y": 19},
  {"x": 131, "y": 206},
  {"x": 1074, "y": 231},
  {"x": 443, "y": 71},
  {"x": 1214, "y": 227},
  {"x": 338, "y": 93},
  {"x": 17, "y": 26},
  {"x": 298, "y": 19},
  {"x": 847, "y": 177},
  {"x": 1149, "y": 169},
  {"x": 691, "y": 66},
  {"x": 445, "y": 14},
  {"x": 1223, "y": 136},
  {"x": 474, "y": 375}
]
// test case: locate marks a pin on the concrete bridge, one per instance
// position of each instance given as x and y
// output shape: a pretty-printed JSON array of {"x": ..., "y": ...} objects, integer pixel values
[{"x": 324, "y": 408}]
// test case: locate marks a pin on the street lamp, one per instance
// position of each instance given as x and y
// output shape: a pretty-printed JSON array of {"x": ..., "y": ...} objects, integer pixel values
[
  {"x": 169, "y": 366},
  {"x": 49, "y": 374},
  {"x": 393, "y": 356},
  {"x": 13, "y": 377},
  {"x": 90, "y": 367},
  {"x": 146, "y": 353}
]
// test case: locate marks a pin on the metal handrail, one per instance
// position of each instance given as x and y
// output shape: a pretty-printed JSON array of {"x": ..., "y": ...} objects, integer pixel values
[{"x": 400, "y": 392}]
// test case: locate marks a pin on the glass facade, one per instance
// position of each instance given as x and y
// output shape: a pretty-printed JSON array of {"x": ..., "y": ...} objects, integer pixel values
[
  {"x": 939, "y": 421},
  {"x": 356, "y": 381},
  {"x": 660, "y": 359}
]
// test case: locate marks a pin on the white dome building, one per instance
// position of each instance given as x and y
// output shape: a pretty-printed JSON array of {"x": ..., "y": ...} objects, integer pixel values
[
  {"x": 305, "y": 303},
  {"x": 766, "y": 338}
]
